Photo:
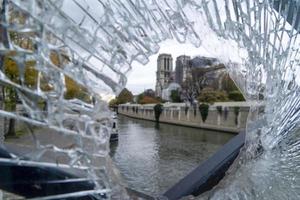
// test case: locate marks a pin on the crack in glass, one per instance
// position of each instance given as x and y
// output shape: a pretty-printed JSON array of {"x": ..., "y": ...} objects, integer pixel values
[{"x": 53, "y": 44}]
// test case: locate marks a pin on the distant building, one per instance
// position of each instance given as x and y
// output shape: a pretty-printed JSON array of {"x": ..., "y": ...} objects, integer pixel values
[
  {"x": 182, "y": 70},
  {"x": 203, "y": 62},
  {"x": 172, "y": 77},
  {"x": 191, "y": 75},
  {"x": 213, "y": 70},
  {"x": 164, "y": 72}
]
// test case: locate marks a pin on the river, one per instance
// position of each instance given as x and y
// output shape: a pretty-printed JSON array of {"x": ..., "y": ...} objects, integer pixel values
[{"x": 151, "y": 158}]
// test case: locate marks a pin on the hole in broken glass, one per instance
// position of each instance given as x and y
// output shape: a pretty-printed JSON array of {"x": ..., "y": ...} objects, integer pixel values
[{"x": 102, "y": 45}]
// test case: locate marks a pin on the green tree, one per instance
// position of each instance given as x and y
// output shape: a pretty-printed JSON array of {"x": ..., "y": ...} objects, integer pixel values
[
  {"x": 73, "y": 89},
  {"x": 203, "y": 108},
  {"x": 148, "y": 100},
  {"x": 236, "y": 96},
  {"x": 175, "y": 96},
  {"x": 9, "y": 64},
  {"x": 28, "y": 75},
  {"x": 148, "y": 96},
  {"x": 113, "y": 102},
  {"x": 125, "y": 96},
  {"x": 10, "y": 95},
  {"x": 140, "y": 97},
  {"x": 158, "y": 108},
  {"x": 228, "y": 84},
  {"x": 209, "y": 95},
  {"x": 31, "y": 75}
]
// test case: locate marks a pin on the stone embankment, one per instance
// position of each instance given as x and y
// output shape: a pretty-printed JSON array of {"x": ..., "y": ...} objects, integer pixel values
[{"x": 221, "y": 116}]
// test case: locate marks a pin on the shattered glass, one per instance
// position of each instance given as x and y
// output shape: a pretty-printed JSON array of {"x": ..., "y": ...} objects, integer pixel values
[{"x": 92, "y": 43}]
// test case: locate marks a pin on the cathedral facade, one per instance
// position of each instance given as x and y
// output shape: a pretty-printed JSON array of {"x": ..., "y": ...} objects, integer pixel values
[{"x": 164, "y": 73}]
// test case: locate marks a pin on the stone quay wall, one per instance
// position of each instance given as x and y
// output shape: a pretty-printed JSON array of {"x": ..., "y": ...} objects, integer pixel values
[{"x": 222, "y": 116}]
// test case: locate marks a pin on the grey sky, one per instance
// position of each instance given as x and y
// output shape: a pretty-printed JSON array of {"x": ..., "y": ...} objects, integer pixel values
[{"x": 143, "y": 76}]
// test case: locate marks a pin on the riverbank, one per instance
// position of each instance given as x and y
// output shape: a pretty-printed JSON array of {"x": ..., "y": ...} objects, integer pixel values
[{"x": 221, "y": 116}]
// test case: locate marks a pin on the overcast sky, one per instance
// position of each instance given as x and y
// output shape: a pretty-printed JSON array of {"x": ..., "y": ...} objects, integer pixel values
[{"x": 143, "y": 76}]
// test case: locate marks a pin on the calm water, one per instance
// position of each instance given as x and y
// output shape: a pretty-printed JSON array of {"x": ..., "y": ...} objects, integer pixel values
[{"x": 151, "y": 159}]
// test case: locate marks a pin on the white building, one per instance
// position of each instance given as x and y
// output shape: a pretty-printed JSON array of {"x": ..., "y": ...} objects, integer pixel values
[{"x": 164, "y": 72}]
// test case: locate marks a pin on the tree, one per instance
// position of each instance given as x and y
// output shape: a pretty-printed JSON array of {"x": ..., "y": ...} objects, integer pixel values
[
  {"x": 236, "y": 96},
  {"x": 22, "y": 71},
  {"x": 10, "y": 95},
  {"x": 31, "y": 75},
  {"x": 228, "y": 84},
  {"x": 5, "y": 42},
  {"x": 199, "y": 79},
  {"x": 210, "y": 96},
  {"x": 193, "y": 85},
  {"x": 203, "y": 108},
  {"x": 125, "y": 96},
  {"x": 140, "y": 97},
  {"x": 158, "y": 108},
  {"x": 12, "y": 72},
  {"x": 75, "y": 90},
  {"x": 8, "y": 61},
  {"x": 148, "y": 97},
  {"x": 113, "y": 102},
  {"x": 175, "y": 96},
  {"x": 189, "y": 90},
  {"x": 148, "y": 100}
]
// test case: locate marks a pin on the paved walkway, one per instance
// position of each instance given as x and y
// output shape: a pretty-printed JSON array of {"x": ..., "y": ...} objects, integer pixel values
[{"x": 26, "y": 145}]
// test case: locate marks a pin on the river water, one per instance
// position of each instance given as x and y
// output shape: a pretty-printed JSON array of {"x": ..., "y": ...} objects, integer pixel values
[{"x": 152, "y": 158}]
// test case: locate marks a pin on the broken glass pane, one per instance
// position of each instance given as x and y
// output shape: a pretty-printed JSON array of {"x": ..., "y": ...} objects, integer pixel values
[{"x": 49, "y": 48}]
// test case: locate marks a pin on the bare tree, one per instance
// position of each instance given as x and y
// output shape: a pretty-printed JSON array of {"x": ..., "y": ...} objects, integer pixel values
[
  {"x": 193, "y": 84},
  {"x": 198, "y": 80}
]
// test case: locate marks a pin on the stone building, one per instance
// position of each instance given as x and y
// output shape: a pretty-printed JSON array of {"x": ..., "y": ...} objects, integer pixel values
[
  {"x": 164, "y": 72},
  {"x": 195, "y": 73},
  {"x": 211, "y": 70},
  {"x": 182, "y": 70},
  {"x": 203, "y": 62}
]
